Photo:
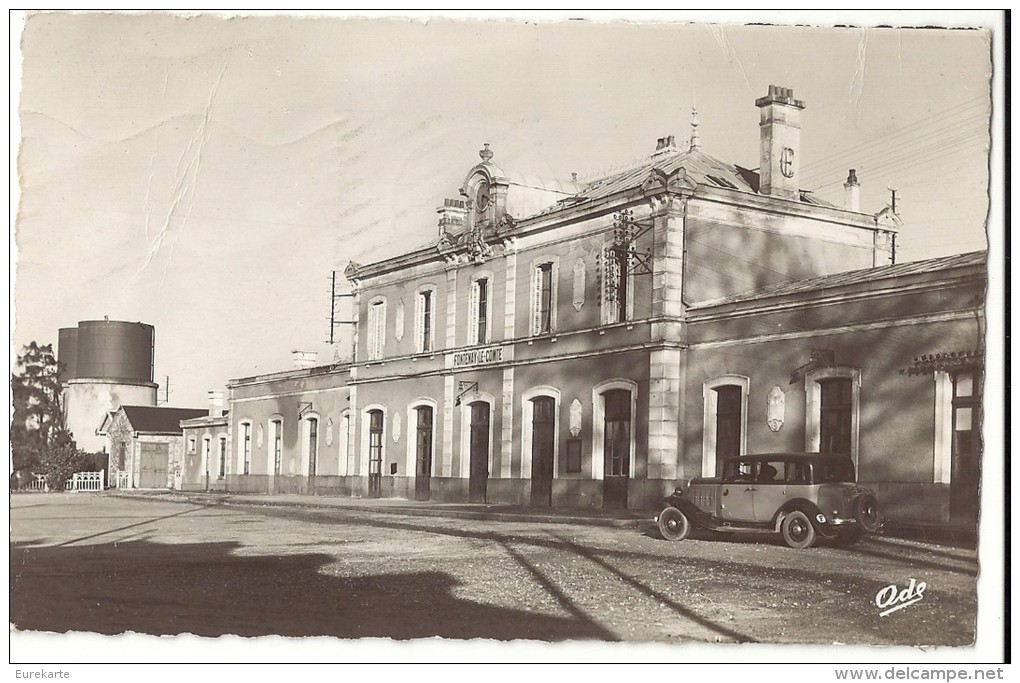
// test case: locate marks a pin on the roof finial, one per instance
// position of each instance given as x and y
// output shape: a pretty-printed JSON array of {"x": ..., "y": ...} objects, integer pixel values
[
  {"x": 695, "y": 140},
  {"x": 485, "y": 153}
]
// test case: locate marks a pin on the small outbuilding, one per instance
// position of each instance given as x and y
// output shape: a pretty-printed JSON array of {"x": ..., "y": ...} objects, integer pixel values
[{"x": 147, "y": 445}]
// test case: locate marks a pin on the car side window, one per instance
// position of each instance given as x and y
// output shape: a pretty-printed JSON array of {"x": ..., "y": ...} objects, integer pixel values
[
  {"x": 797, "y": 473},
  {"x": 737, "y": 471},
  {"x": 772, "y": 472}
]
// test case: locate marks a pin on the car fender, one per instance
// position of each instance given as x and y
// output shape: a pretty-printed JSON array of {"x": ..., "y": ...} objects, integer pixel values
[
  {"x": 694, "y": 514},
  {"x": 809, "y": 509}
]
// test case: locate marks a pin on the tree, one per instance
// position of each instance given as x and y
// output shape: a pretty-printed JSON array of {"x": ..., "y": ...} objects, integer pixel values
[{"x": 38, "y": 431}]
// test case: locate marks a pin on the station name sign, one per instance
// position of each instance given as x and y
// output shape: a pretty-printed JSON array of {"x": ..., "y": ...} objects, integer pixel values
[{"x": 483, "y": 356}]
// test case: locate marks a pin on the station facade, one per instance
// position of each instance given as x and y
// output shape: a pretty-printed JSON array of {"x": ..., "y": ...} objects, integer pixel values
[{"x": 598, "y": 343}]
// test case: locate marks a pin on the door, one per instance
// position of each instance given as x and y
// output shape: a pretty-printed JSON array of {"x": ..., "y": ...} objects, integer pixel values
[
  {"x": 423, "y": 457},
  {"x": 479, "y": 449},
  {"x": 964, "y": 491},
  {"x": 616, "y": 448},
  {"x": 736, "y": 498},
  {"x": 543, "y": 439},
  {"x": 155, "y": 462},
  {"x": 770, "y": 489},
  {"x": 375, "y": 440}
]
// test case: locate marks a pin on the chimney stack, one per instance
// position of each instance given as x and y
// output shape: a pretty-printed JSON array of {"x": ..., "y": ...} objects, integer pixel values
[
  {"x": 780, "y": 143},
  {"x": 852, "y": 192},
  {"x": 216, "y": 403},
  {"x": 452, "y": 215},
  {"x": 303, "y": 359}
]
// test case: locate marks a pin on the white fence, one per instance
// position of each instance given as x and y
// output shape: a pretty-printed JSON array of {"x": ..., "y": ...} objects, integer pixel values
[
  {"x": 123, "y": 480},
  {"x": 85, "y": 481},
  {"x": 38, "y": 483}
]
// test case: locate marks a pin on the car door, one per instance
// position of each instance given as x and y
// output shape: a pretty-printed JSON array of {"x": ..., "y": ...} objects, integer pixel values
[
  {"x": 770, "y": 489},
  {"x": 736, "y": 494}
]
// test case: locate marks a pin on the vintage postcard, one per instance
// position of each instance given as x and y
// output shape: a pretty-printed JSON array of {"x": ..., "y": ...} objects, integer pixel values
[{"x": 507, "y": 337}]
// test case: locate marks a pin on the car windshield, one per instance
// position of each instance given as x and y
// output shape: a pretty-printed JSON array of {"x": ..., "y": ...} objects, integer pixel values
[{"x": 834, "y": 470}]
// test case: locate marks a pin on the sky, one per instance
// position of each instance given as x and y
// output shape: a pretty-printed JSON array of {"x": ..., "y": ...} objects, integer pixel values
[{"x": 206, "y": 174}]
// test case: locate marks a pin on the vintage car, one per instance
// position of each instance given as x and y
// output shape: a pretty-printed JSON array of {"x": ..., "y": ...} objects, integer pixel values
[{"x": 803, "y": 496}]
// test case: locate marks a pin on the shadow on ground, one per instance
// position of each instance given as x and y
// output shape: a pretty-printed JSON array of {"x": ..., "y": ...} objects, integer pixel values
[{"x": 208, "y": 590}]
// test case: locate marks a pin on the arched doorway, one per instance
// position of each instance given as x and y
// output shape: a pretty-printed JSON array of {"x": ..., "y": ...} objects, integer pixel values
[
  {"x": 478, "y": 446},
  {"x": 616, "y": 447},
  {"x": 423, "y": 453},
  {"x": 543, "y": 444}
]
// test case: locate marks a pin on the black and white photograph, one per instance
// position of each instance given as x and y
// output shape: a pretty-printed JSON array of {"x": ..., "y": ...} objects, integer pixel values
[{"x": 557, "y": 336}]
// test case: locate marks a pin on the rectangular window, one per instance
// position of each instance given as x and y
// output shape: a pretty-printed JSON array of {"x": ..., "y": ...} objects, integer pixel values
[
  {"x": 223, "y": 458},
  {"x": 121, "y": 454},
  {"x": 482, "y": 303},
  {"x": 424, "y": 321},
  {"x": 615, "y": 273},
  {"x": 478, "y": 312},
  {"x": 836, "y": 423},
  {"x": 376, "y": 329},
  {"x": 191, "y": 445},
  {"x": 246, "y": 435},
  {"x": 544, "y": 314}
]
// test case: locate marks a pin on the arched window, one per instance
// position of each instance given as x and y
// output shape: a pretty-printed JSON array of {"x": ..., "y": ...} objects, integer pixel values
[
  {"x": 244, "y": 446},
  {"x": 223, "y": 456},
  {"x": 310, "y": 445},
  {"x": 276, "y": 446},
  {"x": 376, "y": 422}
]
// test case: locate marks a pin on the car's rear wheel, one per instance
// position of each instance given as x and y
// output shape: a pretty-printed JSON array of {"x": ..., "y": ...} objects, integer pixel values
[
  {"x": 673, "y": 524},
  {"x": 798, "y": 531},
  {"x": 848, "y": 537},
  {"x": 866, "y": 512}
]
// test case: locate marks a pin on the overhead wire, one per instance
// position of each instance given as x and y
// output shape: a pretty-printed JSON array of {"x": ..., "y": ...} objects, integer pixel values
[{"x": 899, "y": 132}]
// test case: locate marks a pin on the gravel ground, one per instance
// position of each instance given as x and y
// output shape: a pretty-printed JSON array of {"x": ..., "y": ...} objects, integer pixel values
[{"x": 109, "y": 565}]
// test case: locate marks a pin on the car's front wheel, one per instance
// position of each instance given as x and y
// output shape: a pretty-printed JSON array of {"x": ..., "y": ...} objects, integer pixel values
[
  {"x": 673, "y": 524},
  {"x": 798, "y": 531}
]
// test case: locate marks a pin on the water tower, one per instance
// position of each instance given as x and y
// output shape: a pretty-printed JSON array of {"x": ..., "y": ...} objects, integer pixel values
[{"x": 104, "y": 364}]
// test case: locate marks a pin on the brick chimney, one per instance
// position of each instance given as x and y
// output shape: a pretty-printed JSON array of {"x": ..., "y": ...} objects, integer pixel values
[
  {"x": 216, "y": 403},
  {"x": 780, "y": 143},
  {"x": 451, "y": 216},
  {"x": 852, "y": 192}
]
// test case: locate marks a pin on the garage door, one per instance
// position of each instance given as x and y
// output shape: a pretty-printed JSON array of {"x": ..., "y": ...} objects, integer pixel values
[{"x": 155, "y": 463}]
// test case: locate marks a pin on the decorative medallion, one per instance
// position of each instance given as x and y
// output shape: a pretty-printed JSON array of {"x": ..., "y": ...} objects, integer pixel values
[
  {"x": 575, "y": 418},
  {"x": 579, "y": 273},
  {"x": 398, "y": 323},
  {"x": 776, "y": 411},
  {"x": 396, "y": 427}
]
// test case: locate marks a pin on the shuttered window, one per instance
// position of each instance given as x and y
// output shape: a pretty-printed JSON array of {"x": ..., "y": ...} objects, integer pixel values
[
  {"x": 424, "y": 321},
  {"x": 543, "y": 299},
  {"x": 478, "y": 325},
  {"x": 376, "y": 329},
  {"x": 615, "y": 286}
]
